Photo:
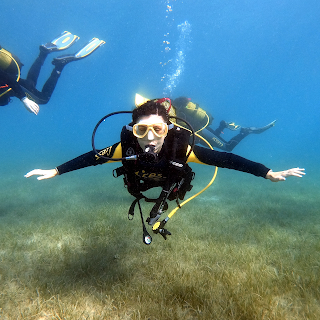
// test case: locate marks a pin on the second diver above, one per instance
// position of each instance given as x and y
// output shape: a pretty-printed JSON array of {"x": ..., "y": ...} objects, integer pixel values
[
  {"x": 12, "y": 85},
  {"x": 201, "y": 121}
]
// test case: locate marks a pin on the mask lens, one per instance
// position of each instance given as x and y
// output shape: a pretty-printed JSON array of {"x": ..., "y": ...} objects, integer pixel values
[
  {"x": 159, "y": 129},
  {"x": 141, "y": 130}
]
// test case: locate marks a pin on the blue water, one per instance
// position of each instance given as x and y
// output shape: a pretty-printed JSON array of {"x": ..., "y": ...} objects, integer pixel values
[{"x": 245, "y": 61}]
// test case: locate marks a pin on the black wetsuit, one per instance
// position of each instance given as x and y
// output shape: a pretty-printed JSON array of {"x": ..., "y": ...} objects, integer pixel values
[
  {"x": 199, "y": 155},
  {"x": 27, "y": 87},
  {"x": 215, "y": 139}
]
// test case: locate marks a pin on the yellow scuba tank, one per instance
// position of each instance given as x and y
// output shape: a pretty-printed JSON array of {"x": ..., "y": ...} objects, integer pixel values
[
  {"x": 11, "y": 64},
  {"x": 5, "y": 59},
  {"x": 199, "y": 114},
  {"x": 200, "y": 118},
  {"x": 139, "y": 100}
]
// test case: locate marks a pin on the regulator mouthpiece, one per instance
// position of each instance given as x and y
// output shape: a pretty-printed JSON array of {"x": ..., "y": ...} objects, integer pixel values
[
  {"x": 149, "y": 154},
  {"x": 149, "y": 148}
]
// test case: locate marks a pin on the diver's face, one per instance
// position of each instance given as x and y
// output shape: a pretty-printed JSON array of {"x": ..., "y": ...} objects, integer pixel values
[{"x": 150, "y": 138}]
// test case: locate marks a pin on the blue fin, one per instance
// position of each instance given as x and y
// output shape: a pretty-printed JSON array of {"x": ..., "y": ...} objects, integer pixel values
[
  {"x": 62, "y": 42},
  {"x": 93, "y": 44}
]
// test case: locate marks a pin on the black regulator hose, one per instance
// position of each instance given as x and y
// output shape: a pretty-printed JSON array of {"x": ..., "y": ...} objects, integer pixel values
[
  {"x": 192, "y": 131},
  {"x": 94, "y": 135}
]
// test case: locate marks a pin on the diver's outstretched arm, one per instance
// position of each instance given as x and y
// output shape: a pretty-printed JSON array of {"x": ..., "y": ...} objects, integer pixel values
[
  {"x": 281, "y": 175},
  {"x": 44, "y": 174}
]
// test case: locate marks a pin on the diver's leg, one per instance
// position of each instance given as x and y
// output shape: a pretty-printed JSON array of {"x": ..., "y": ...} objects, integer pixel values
[
  {"x": 44, "y": 96},
  {"x": 230, "y": 145},
  {"x": 224, "y": 125},
  {"x": 244, "y": 132},
  {"x": 50, "y": 85},
  {"x": 93, "y": 44},
  {"x": 259, "y": 130},
  {"x": 62, "y": 42},
  {"x": 214, "y": 136},
  {"x": 34, "y": 71},
  {"x": 220, "y": 129},
  {"x": 31, "y": 92},
  {"x": 215, "y": 140}
]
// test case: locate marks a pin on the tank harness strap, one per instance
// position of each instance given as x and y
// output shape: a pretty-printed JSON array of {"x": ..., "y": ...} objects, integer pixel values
[
  {"x": 138, "y": 197},
  {"x": 174, "y": 189},
  {"x": 118, "y": 172},
  {"x": 133, "y": 191}
]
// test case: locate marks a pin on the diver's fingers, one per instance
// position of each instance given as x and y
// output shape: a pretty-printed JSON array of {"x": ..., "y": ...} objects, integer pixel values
[
  {"x": 281, "y": 175},
  {"x": 44, "y": 174},
  {"x": 33, "y": 172},
  {"x": 297, "y": 172}
]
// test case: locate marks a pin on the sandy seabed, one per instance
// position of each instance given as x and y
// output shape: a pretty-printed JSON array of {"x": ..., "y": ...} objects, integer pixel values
[{"x": 244, "y": 249}]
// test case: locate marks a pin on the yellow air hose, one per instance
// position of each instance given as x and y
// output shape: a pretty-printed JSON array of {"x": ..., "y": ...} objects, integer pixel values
[{"x": 157, "y": 224}]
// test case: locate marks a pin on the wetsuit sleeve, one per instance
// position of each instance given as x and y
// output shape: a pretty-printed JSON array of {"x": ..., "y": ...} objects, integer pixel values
[
  {"x": 12, "y": 83},
  {"x": 91, "y": 159},
  {"x": 227, "y": 160}
]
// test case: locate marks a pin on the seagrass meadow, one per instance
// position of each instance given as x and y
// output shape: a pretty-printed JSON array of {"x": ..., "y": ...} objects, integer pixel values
[{"x": 244, "y": 249}]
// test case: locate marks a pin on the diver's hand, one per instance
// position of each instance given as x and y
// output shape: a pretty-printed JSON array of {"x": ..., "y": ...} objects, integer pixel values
[
  {"x": 44, "y": 174},
  {"x": 281, "y": 175},
  {"x": 30, "y": 105}
]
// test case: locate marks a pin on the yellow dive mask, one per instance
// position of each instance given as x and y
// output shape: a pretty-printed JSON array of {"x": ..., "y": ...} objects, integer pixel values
[{"x": 141, "y": 130}]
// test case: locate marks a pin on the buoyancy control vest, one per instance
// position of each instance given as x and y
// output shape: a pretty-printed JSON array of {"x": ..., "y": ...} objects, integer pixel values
[{"x": 169, "y": 171}]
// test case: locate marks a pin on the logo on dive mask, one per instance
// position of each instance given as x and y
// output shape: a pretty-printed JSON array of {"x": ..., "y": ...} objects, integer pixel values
[{"x": 149, "y": 155}]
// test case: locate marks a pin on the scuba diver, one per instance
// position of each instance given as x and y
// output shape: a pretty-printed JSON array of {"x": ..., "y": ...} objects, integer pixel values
[
  {"x": 11, "y": 85},
  {"x": 155, "y": 152},
  {"x": 201, "y": 121}
]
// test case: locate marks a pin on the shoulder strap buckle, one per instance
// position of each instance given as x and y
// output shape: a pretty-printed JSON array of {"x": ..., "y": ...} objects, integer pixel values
[{"x": 118, "y": 172}]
